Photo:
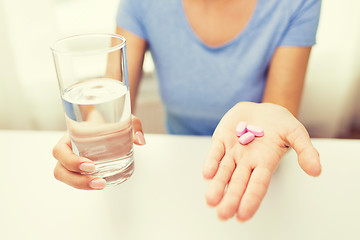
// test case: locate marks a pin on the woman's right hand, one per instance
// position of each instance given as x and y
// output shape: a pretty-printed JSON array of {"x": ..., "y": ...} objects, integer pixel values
[{"x": 70, "y": 166}]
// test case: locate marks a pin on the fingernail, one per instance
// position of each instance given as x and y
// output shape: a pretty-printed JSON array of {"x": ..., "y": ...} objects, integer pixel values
[
  {"x": 87, "y": 167},
  {"x": 97, "y": 183},
  {"x": 140, "y": 137}
]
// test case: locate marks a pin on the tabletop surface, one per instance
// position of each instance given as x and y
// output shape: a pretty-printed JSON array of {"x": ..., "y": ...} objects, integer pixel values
[{"x": 164, "y": 199}]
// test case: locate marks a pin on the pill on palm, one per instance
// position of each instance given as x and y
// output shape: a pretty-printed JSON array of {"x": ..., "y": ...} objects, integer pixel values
[
  {"x": 241, "y": 128},
  {"x": 257, "y": 131},
  {"x": 246, "y": 138}
]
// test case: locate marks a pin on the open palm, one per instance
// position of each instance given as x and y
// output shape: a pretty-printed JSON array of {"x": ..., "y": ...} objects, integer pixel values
[{"x": 240, "y": 174}]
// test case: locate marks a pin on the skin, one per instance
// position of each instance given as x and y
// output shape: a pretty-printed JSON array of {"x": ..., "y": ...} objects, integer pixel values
[
  {"x": 217, "y": 22},
  {"x": 239, "y": 175},
  {"x": 68, "y": 168},
  {"x": 286, "y": 77}
]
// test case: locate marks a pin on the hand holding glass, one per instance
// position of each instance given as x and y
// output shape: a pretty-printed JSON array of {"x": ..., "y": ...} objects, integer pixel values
[{"x": 93, "y": 82}]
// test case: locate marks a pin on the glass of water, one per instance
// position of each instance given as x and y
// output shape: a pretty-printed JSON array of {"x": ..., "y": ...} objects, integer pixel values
[{"x": 94, "y": 88}]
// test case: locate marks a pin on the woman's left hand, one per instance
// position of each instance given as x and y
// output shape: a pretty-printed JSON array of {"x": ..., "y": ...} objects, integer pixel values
[{"x": 240, "y": 174}]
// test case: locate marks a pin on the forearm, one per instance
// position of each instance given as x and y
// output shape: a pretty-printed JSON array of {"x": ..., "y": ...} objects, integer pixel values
[{"x": 286, "y": 77}]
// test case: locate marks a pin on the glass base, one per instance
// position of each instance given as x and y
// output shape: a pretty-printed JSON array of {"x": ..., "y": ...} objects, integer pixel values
[
  {"x": 120, "y": 177},
  {"x": 115, "y": 171}
]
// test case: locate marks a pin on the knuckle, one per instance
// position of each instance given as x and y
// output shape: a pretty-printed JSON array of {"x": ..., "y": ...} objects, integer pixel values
[
  {"x": 72, "y": 164},
  {"x": 256, "y": 197},
  {"x": 57, "y": 173},
  {"x": 82, "y": 183},
  {"x": 79, "y": 185},
  {"x": 227, "y": 166},
  {"x": 134, "y": 118},
  {"x": 55, "y": 152},
  {"x": 136, "y": 121},
  {"x": 239, "y": 182}
]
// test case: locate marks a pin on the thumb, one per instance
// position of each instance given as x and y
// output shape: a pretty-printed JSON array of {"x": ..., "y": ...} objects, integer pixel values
[
  {"x": 138, "y": 134},
  {"x": 308, "y": 156}
]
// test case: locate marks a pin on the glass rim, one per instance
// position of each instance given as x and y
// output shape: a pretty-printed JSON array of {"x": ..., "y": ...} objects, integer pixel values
[{"x": 54, "y": 49}]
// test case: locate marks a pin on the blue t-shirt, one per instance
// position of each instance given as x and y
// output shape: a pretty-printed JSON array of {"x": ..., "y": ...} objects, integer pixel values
[{"x": 199, "y": 84}]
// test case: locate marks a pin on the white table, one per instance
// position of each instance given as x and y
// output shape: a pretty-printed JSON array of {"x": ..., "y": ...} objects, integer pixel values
[{"x": 164, "y": 199}]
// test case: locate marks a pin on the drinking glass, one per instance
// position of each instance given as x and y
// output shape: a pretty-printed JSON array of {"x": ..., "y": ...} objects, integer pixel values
[{"x": 93, "y": 82}]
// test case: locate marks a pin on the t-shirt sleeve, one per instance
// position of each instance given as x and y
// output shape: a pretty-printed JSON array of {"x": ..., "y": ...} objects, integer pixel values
[
  {"x": 130, "y": 16},
  {"x": 303, "y": 25}
]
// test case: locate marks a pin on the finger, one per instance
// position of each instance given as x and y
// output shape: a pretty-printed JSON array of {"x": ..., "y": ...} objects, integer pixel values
[
  {"x": 236, "y": 188},
  {"x": 308, "y": 156},
  {"x": 213, "y": 158},
  {"x": 64, "y": 154},
  {"x": 77, "y": 180},
  {"x": 254, "y": 193},
  {"x": 139, "y": 138},
  {"x": 218, "y": 184}
]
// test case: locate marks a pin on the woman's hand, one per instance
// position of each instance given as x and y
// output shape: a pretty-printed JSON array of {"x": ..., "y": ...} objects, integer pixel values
[
  {"x": 240, "y": 174},
  {"x": 70, "y": 166}
]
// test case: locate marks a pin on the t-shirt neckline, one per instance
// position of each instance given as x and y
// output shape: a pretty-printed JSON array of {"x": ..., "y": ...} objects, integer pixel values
[{"x": 240, "y": 35}]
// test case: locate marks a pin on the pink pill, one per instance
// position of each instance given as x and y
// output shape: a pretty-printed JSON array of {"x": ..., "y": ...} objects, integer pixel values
[
  {"x": 257, "y": 131},
  {"x": 241, "y": 129},
  {"x": 246, "y": 138}
]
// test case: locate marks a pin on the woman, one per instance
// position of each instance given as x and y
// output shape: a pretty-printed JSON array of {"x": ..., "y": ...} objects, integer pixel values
[{"x": 228, "y": 60}]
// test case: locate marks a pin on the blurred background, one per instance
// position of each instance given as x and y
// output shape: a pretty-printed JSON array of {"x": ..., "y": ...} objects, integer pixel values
[{"x": 29, "y": 96}]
